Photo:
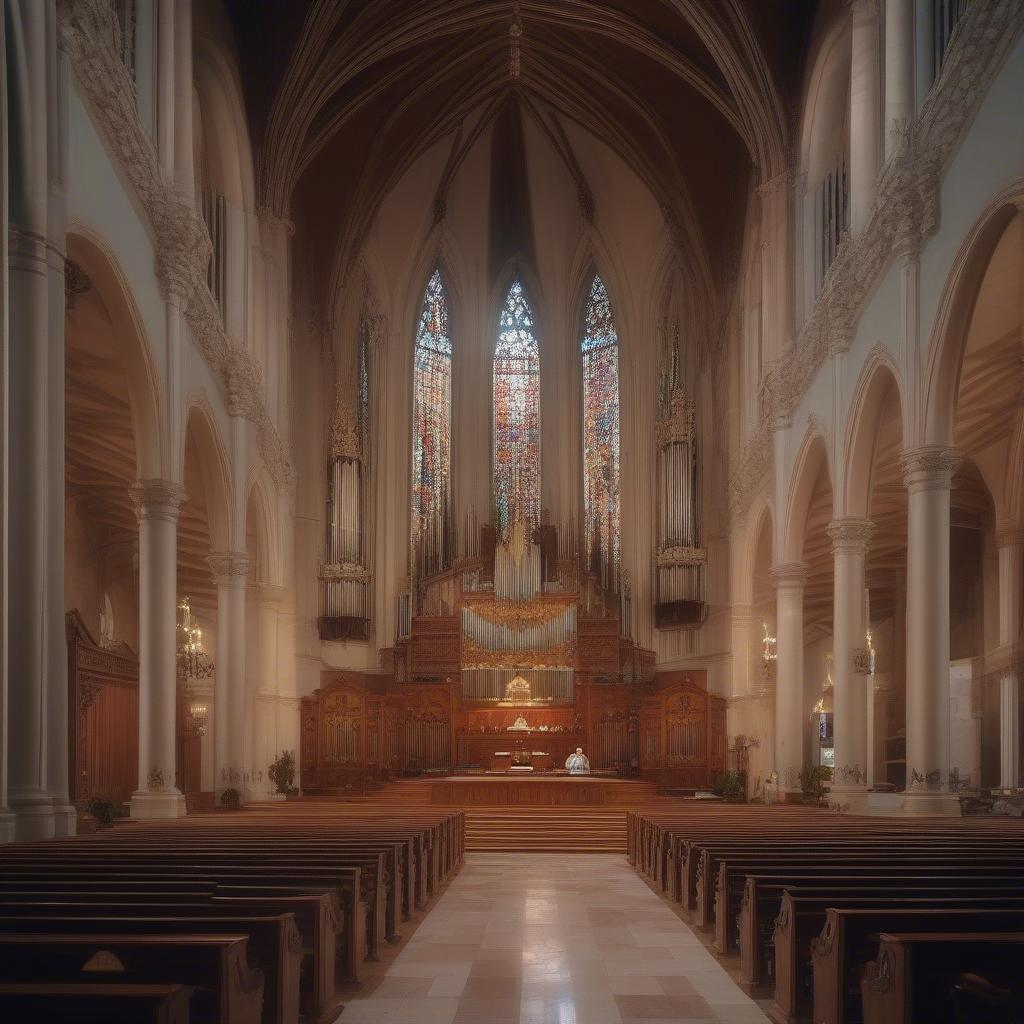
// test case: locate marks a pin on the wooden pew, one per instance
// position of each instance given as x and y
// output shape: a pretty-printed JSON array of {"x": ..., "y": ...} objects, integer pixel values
[
  {"x": 96, "y": 1003},
  {"x": 765, "y": 896},
  {"x": 317, "y": 919},
  {"x": 939, "y": 977},
  {"x": 274, "y": 942},
  {"x": 216, "y": 965},
  {"x": 848, "y": 942}
]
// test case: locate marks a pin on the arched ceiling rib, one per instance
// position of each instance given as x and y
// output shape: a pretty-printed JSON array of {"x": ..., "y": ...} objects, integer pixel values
[{"x": 681, "y": 90}]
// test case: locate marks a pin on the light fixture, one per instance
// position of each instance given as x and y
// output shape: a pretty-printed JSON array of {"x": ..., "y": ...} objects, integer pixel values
[
  {"x": 198, "y": 717},
  {"x": 192, "y": 659},
  {"x": 864, "y": 657},
  {"x": 770, "y": 652}
]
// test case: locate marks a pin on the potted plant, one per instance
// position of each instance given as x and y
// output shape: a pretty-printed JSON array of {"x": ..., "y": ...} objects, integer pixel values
[
  {"x": 282, "y": 774},
  {"x": 729, "y": 785},
  {"x": 813, "y": 779}
]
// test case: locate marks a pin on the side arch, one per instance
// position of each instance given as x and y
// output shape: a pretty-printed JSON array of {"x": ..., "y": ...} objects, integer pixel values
[
  {"x": 100, "y": 265},
  {"x": 213, "y": 468},
  {"x": 879, "y": 377},
  {"x": 810, "y": 461}
]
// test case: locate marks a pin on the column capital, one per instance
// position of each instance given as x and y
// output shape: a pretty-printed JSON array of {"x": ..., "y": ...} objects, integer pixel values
[
  {"x": 157, "y": 499},
  {"x": 789, "y": 574},
  {"x": 850, "y": 534},
  {"x": 1009, "y": 534},
  {"x": 929, "y": 467},
  {"x": 229, "y": 568}
]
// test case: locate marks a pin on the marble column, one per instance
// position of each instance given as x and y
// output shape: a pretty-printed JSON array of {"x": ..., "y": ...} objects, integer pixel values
[
  {"x": 29, "y": 309},
  {"x": 928, "y": 474},
  {"x": 790, "y": 724},
  {"x": 740, "y": 621},
  {"x": 899, "y": 69},
  {"x": 157, "y": 503},
  {"x": 230, "y": 572},
  {"x": 776, "y": 267},
  {"x": 850, "y": 537},
  {"x": 1010, "y": 544},
  {"x": 924, "y": 49},
  {"x": 183, "y": 154},
  {"x": 165, "y": 79},
  {"x": 864, "y": 112}
]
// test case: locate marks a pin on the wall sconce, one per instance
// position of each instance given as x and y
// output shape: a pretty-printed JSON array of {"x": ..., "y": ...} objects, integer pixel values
[
  {"x": 864, "y": 657},
  {"x": 770, "y": 651},
  {"x": 199, "y": 717}
]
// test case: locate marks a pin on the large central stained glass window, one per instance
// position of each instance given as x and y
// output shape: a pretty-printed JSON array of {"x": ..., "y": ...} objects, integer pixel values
[
  {"x": 600, "y": 348},
  {"x": 431, "y": 435},
  {"x": 516, "y": 412}
]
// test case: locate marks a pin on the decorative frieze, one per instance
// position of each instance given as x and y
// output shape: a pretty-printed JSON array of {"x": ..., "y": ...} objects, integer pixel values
[
  {"x": 677, "y": 426},
  {"x": 682, "y": 556},
  {"x": 348, "y": 572},
  {"x": 904, "y": 216},
  {"x": 89, "y": 34},
  {"x": 789, "y": 574},
  {"x": 229, "y": 568}
]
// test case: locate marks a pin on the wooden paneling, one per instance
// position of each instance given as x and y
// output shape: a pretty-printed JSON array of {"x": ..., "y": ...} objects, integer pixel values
[
  {"x": 103, "y": 716},
  {"x": 682, "y": 732}
]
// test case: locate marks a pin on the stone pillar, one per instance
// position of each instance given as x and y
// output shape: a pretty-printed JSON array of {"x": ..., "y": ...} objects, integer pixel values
[
  {"x": 1010, "y": 543},
  {"x": 7, "y": 819},
  {"x": 157, "y": 503},
  {"x": 850, "y": 700},
  {"x": 899, "y": 68},
  {"x": 790, "y": 725},
  {"x": 183, "y": 155},
  {"x": 864, "y": 112},
  {"x": 740, "y": 621},
  {"x": 165, "y": 76},
  {"x": 928, "y": 474},
  {"x": 924, "y": 49},
  {"x": 230, "y": 572},
  {"x": 29, "y": 310},
  {"x": 776, "y": 267}
]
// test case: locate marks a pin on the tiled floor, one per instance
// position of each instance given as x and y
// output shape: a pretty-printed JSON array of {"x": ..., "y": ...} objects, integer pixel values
[{"x": 552, "y": 939}]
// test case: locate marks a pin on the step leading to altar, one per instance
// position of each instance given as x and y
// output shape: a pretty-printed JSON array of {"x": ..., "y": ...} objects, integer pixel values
[{"x": 526, "y": 789}]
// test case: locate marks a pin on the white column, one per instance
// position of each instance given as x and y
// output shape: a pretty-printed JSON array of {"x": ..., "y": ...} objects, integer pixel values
[
  {"x": 165, "y": 78},
  {"x": 790, "y": 725},
  {"x": 183, "y": 155},
  {"x": 899, "y": 67},
  {"x": 924, "y": 49},
  {"x": 928, "y": 474},
  {"x": 1010, "y": 543},
  {"x": 864, "y": 112},
  {"x": 739, "y": 622},
  {"x": 850, "y": 701},
  {"x": 263, "y": 744},
  {"x": 157, "y": 503},
  {"x": 6, "y": 818},
  {"x": 29, "y": 313},
  {"x": 776, "y": 266},
  {"x": 230, "y": 572}
]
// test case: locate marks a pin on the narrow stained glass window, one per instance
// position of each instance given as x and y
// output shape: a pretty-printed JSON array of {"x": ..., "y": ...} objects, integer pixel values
[
  {"x": 431, "y": 438},
  {"x": 600, "y": 348},
  {"x": 516, "y": 412}
]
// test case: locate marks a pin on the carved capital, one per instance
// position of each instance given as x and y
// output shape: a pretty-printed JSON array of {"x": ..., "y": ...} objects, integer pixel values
[
  {"x": 789, "y": 575},
  {"x": 1009, "y": 535},
  {"x": 682, "y": 556},
  {"x": 930, "y": 467},
  {"x": 229, "y": 568},
  {"x": 157, "y": 499},
  {"x": 850, "y": 534},
  {"x": 349, "y": 572}
]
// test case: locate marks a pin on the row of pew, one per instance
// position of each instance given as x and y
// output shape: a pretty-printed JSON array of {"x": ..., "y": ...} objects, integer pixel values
[
  {"x": 256, "y": 917},
  {"x": 841, "y": 919}
]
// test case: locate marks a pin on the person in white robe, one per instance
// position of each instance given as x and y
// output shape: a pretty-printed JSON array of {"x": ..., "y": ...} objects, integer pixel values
[{"x": 578, "y": 763}]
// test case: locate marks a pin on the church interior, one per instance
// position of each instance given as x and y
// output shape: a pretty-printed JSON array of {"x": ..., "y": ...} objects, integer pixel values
[{"x": 512, "y": 511}]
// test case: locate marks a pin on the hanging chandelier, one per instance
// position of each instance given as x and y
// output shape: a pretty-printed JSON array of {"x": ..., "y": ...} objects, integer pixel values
[{"x": 192, "y": 659}]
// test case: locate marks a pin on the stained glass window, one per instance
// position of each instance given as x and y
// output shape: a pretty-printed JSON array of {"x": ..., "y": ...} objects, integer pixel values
[
  {"x": 516, "y": 411},
  {"x": 600, "y": 347},
  {"x": 431, "y": 438}
]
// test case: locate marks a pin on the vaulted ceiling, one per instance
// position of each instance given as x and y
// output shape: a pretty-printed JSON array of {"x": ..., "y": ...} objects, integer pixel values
[{"x": 342, "y": 97}]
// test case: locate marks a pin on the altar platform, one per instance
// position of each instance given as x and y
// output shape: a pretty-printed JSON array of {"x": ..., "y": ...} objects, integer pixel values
[{"x": 527, "y": 789}]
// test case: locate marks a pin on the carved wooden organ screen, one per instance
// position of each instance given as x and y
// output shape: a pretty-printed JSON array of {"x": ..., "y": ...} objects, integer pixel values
[{"x": 103, "y": 715}]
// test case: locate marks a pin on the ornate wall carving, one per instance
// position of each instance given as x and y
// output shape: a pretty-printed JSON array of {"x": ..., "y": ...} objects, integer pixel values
[{"x": 904, "y": 217}]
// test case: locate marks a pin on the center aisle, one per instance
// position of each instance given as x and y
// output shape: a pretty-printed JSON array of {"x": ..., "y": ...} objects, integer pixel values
[{"x": 551, "y": 939}]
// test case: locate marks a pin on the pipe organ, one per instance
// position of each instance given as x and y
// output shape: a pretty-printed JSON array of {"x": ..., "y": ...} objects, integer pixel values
[{"x": 681, "y": 562}]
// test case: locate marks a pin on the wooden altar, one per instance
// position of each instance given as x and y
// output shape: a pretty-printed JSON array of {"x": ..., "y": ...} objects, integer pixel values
[{"x": 359, "y": 726}]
